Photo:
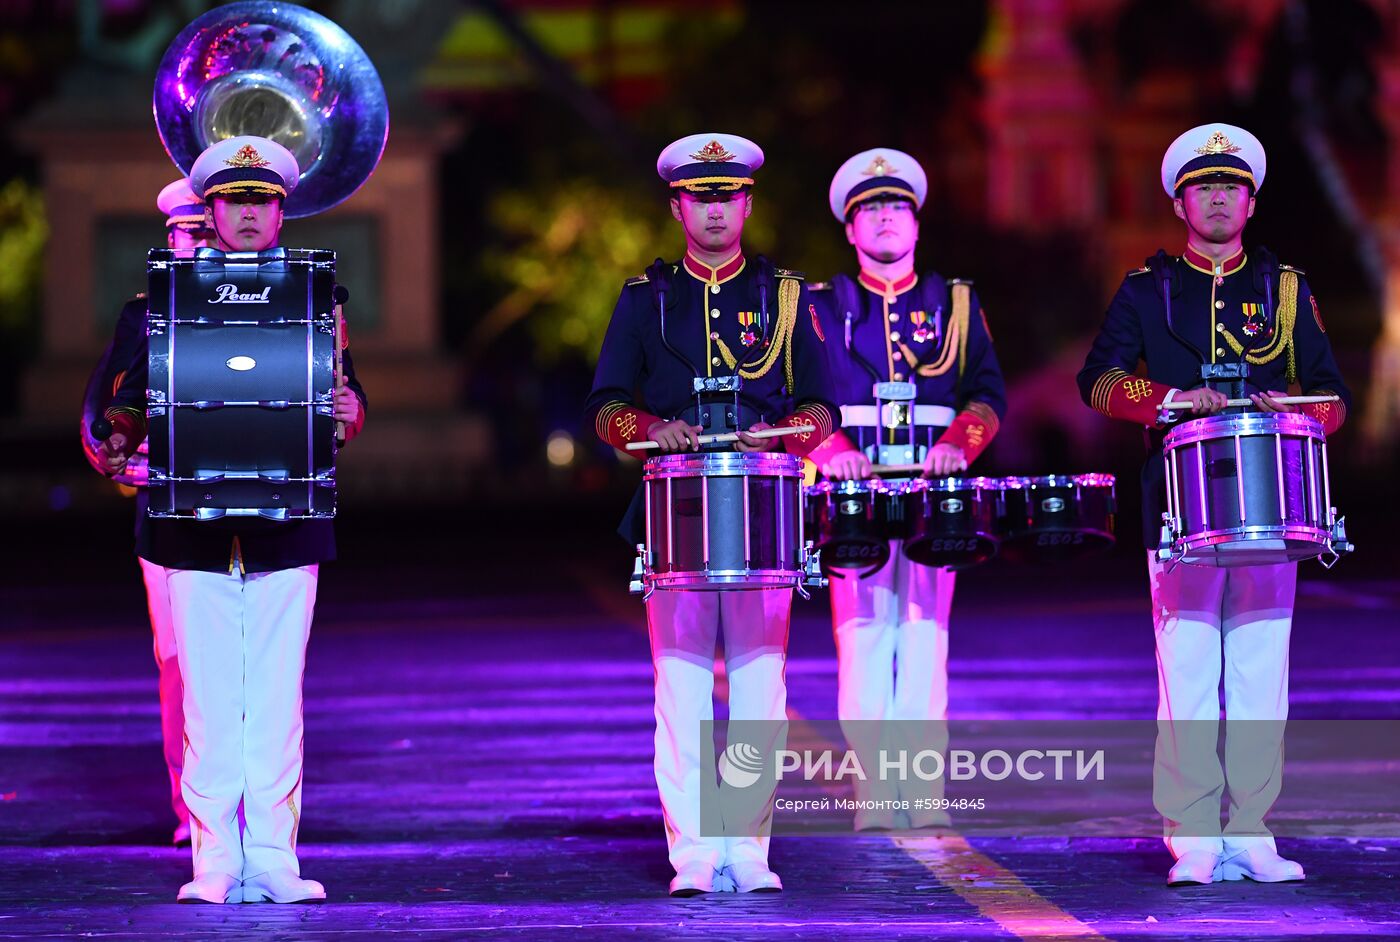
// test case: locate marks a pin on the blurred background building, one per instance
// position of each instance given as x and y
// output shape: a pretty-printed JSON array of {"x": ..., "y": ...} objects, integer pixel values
[{"x": 518, "y": 191}]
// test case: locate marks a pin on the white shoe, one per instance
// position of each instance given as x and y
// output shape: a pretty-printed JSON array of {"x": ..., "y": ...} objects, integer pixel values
[
  {"x": 181, "y": 837},
  {"x": 1261, "y": 865},
  {"x": 1198, "y": 866},
  {"x": 930, "y": 819},
  {"x": 211, "y": 888},
  {"x": 281, "y": 886},
  {"x": 693, "y": 879},
  {"x": 754, "y": 877}
]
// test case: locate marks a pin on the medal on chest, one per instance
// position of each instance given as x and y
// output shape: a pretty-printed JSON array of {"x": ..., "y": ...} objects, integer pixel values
[
  {"x": 924, "y": 329},
  {"x": 1254, "y": 320},
  {"x": 747, "y": 335}
]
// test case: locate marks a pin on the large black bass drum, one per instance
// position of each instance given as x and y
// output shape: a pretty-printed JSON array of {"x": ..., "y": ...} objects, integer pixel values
[{"x": 240, "y": 398}]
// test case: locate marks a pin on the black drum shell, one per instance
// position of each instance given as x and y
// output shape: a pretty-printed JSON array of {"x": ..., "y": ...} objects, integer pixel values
[
  {"x": 851, "y": 522},
  {"x": 1057, "y": 517},
  {"x": 720, "y": 520},
  {"x": 951, "y": 522},
  {"x": 275, "y": 462}
]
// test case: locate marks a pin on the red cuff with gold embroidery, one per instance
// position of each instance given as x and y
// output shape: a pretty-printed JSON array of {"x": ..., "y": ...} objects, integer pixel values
[
  {"x": 973, "y": 430},
  {"x": 1330, "y": 414},
  {"x": 803, "y": 444},
  {"x": 620, "y": 423},
  {"x": 128, "y": 422},
  {"x": 1121, "y": 395},
  {"x": 836, "y": 444}
]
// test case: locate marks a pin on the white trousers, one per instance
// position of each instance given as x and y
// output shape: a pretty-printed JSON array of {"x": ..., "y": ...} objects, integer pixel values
[
  {"x": 1205, "y": 617},
  {"x": 684, "y": 627},
  {"x": 892, "y": 676},
  {"x": 172, "y": 691},
  {"x": 242, "y": 650}
]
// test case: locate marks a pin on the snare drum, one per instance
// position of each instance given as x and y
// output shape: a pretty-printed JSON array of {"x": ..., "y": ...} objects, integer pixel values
[
  {"x": 1056, "y": 516},
  {"x": 852, "y": 523},
  {"x": 1249, "y": 489},
  {"x": 724, "y": 520},
  {"x": 951, "y": 521}
]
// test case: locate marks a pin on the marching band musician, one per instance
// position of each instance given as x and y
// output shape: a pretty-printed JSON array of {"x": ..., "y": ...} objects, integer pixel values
[
  {"x": 891, "y": 324},
  {"x": 714, "y": 322},
  {"x": 1215, "y": 303},
  {"x": 185, "y": 228},
  {"x": 242, "y": 596}
]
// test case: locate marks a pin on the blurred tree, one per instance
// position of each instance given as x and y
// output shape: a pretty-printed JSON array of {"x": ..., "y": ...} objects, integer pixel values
[
  {"x": 560, "y": 252},
  {"x": 24, "y": 231}
]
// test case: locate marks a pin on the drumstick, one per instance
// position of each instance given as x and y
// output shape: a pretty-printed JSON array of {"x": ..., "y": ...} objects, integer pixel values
[
  {"x": 896, "y": 469},
  {"x": 732, "y": 436},
  {"x": 1281, "y": 400},
  {"x": 339, "y": 367}
]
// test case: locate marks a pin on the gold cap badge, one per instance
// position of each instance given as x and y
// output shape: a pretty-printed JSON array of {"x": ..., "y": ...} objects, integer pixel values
[
  {"x": 247, "y": 156},
  {"x": 879, "y": 167},
  {"x": 713, "y": 152},
  {"x": 1218, "y": 144}
]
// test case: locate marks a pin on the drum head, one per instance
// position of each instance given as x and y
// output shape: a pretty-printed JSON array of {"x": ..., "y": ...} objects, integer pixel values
[{"x": 1269, "y": 548}]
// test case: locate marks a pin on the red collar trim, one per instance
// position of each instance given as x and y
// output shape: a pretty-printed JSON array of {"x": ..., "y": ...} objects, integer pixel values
[
  {"x": 1202, "y": 264},
  {"x": 888, "y": 289},
  {"x": 714, "y": 276}
]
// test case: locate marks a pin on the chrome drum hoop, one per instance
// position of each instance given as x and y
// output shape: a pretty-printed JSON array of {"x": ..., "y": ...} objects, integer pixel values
[
  {"x": 853, "y": 487},
  {"x": 952, "y": 484},
  {"x": 1248, "y": 489},
  {"x": 724, "y": 521},
  {"x": 1056, "y": 517},
  {"x": 1306, "y": 534},
  {"x": 722, "y": 464},
  {"x": 727, "y": 580}
]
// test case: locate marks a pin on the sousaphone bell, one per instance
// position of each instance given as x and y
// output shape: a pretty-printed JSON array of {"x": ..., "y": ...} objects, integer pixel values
[{"x": 283, "y": 72}]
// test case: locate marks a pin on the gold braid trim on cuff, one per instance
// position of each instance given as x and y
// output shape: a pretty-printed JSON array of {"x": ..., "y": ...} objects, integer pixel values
[
  {"x": 113, "y": 411},
  {"x": 608, "y": 417},
  {"x": 1283, "y": 334},
  {"x": 1322, "y": 408},
  {"x": 819, "y": 415},
  {"x": 604, "y": 416},
  {"x": 1103, "y": 389},
  {"x": 985, "y": 414}
]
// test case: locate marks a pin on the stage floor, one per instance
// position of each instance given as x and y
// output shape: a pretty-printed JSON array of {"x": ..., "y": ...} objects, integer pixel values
[{"x": 478, "y": 760}]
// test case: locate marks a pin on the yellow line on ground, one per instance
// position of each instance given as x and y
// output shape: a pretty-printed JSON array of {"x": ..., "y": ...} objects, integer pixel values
[{"x": 994, "y": 891}]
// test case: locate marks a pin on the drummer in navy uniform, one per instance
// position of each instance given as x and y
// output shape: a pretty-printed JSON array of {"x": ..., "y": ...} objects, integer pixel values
[
  {"x": 241, "y": 595},
  {"x": 890, "y": 324},
  {"x": 716, "y": 299},
  {"x": 1214, "y": 303},
  {"x": 185, "y": 228}
]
